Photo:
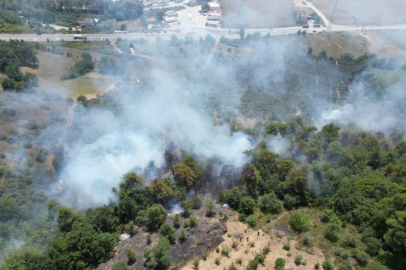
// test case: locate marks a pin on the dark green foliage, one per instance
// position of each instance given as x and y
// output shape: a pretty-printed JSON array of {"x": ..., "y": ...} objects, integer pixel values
[
  {"x": 252, "y": 220},
  {"x": 102, "y": 219},
  {"x": 130, "y": 256},
  {"x": 345, "y": 265},
  {"x": 168, "y": 231},
  {"x": 269, "y": 203},
  {"x": 363, "y": 259},
  {"x": 234, "y": 198},
  {"x": 81, "y": 246},
  {"x": 162, "y": 255},
  {"x": 279, "y": 264},
  {"x": 247, "y": 205},
  {"x": 80, "y": 68},
  {"x": 155, "y": 216},
  {"x": 328, "y": 265},
  {"x": 332, "y": 232},
  {"x": 372, "y": 245},
  {"x": 183, "y": 235}
]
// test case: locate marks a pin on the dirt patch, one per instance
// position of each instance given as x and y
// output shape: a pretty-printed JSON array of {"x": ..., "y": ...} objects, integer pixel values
[{"x": 236, "y": 230}]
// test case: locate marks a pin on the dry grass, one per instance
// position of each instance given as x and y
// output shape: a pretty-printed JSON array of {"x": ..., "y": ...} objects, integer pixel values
[
  {"x": 340, "y": 43},
  {"x": 257, "y": 13},
  {"x": 364, "y": 12}
]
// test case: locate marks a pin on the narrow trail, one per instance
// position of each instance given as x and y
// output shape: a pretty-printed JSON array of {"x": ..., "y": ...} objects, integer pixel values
[{"x": 255, "y": 233}]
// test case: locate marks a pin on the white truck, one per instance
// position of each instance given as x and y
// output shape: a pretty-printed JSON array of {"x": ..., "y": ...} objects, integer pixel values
[{"x": 79, "y": 36}]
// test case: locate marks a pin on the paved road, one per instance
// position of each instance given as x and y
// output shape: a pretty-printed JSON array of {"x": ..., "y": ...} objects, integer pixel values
[{"x": 196, "y": 32}]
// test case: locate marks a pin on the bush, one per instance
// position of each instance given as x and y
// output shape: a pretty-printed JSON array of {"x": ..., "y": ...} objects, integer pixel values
[
  {"x": 149, "y": 240},
  {"x": 299, "y": 221},
  {"x": 373, "y": 245},
  {"x": 130, "y": 256},
  {"x": 345, "y": 265},
  {"x": 327, "y": 265},
  {"x": 307, "y": 240},
  {"x": 168, "y": 231},
  {"x": 210, "y": 209},
  {"x": 363, "y": 259},
  {"x": 298, "y": 260},
  {"x": 279, "y": 264},
  {"x": 247, "y": 205},
  {"x": 286, "y": 246},
  {"x": 327, "y": 215},
  {"x": 350, "y": 240},
  {"x": 148, "y": 254},
  {"x": 252, "y": 221},
  {"x": 155, "y": 216},
  {"x": 234, "y": 198},
  {"x": 332, "y": 231},
  {"x": 291, "y": 201},
  {"x": 120, "y": 266},
  {"x": 196, "y": 202},
  {"x": 242, "y": 217},
  {"x": 176, "y": 221},
  {"x": 232, "y": 267},
  {"x": 192, "y": 221},
  {"x": 269, "y": 203},
  {"x": 162, "y": 255},
  {"x": 183, "y": 235}
]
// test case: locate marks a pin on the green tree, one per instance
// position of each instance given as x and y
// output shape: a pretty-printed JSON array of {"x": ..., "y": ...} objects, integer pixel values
[
  {"x": 168, "y": 231},
  {"x": 184, "y": 176},
  {"x": 162, "y": 254},
  {"x": 196, "y": 202},
  {"x": 234, "y": 198},
  {"x": 269, "y": 203},
  {"x": 160, "y": 192},
  {"x": 155, "y": 216},
  {"x": 299, "y": 221},
  {"x": 250, "y": 178},
  {"x": 328, "y": 265},
  {"x": 252, "y": 220},
  {"x": 247, "y": 205}
]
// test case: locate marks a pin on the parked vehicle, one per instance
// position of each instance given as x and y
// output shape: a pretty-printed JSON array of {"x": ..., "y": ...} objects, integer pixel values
[{"x": 79, "y": 36}]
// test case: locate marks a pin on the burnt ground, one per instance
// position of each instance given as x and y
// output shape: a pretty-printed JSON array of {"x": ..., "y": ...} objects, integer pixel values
[{"x": 198, "y": 243}]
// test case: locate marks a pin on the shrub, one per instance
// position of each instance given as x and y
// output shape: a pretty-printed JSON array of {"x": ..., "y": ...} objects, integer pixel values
[
  {"x": 176, "y": 221},
  {"x": 217, "y": 261},
  {"x": 120, "y": 266},
  {"x": 373, "y": 245},
  {"x": 299, "y": 221},
  {"x": 196, "y": 202},
  {"x": 279, "y": 264},
  {"x": 225, "y": 251},
  {"x": 298, "y": 260},
  {"x": 168, "y": 231},
  {"x": 149, "y": 239},
  {"x": 130, "y": 256},
  {"x": 286, "y": 246},
  {"x": 269, "y": 203},
  {"x": 350, "y": 240},
  {"x": 155, "y": 216},
  {"x": 247, "y": 205},
  {"x": 183, "y": 235},
  {"x": 345, "y": 255},
  {"x": 327, "y": 215},
  {"x": 328, "y": 265},
  {"x": 338, "y": 251},
  {"x": 242, "y": 217},
  {"x": 291, "y": 201},
  {"x": 210, "y": 209},
  {"x": 196, "y": 264},
  {"x": 307, "y": 240},
  {"x": 192, "y": 221},
  {"x": 317, "y": 266},
  {"x": 363, "y": 259},
  {"x": 232, "y": 267},
  {"x": 345, "y": 265},
  {"x": 234, "y": 244},
  {"x": 332, "y": 231},
  {"x": 148, "y": 254},
  {"x": 252, "y": 221}
]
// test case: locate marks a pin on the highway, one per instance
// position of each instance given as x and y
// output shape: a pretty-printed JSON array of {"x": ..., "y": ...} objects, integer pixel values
[{"x": 196, "y": 32}]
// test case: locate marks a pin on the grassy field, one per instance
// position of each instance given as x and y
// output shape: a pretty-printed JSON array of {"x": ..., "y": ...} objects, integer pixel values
[
  {"x": 364, "y": 12},
  {"x": 339, "y": 44},
  {"x": 257, "y": 13},
  {"x": 51, "y": 68}
]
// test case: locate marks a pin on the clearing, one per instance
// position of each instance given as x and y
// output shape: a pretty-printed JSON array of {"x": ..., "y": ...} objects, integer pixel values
[
  {"x": 364, "y": 12},
  {"x": 257, "y": 13}
]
